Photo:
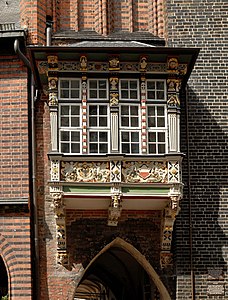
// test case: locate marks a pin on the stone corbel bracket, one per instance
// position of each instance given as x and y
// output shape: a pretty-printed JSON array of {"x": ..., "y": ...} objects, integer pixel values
[
  {"x": 170, "y": 213},
  {"x": 115, "y": 207},
  {"x": 58, "y": 206}
]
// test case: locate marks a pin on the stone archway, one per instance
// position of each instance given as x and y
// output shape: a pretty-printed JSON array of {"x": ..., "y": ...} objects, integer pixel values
[
  {"x": 4, "y": 268},
  {"x": 125, "y": 266}
]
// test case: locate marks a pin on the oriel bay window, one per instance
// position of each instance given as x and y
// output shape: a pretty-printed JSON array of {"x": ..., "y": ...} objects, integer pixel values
[{"x": 129, "y": 109}]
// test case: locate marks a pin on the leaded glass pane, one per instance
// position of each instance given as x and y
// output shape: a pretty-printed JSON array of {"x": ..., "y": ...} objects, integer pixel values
[
  {"x": 75, "y": 148},
  {"x": 135, "y": 148},
  {"x": 75, "y": 136},
  {"x": 64, "y": 121},
  {"x": 65, "y": 136}
]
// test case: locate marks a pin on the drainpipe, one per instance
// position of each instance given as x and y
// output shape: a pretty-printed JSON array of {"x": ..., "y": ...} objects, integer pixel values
[
  {"x": 32, "y": 145},
  {"x": 189, "y": 197},
  {"x": 48, "y": 32}
]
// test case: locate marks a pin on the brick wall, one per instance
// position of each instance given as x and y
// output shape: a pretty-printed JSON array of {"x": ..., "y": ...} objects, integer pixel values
[
  {"x": 33, "y": 18},
  {"x": 105, "y": 17},
  {"x": 15, "y": 250},
  {"x": 14, "y": 167},
  {"x": 191, "y": 24}
]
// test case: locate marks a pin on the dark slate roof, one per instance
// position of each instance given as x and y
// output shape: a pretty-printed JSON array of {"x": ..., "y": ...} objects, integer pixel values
[
  {"x": 109, "y": 44},
  {"x": 73, "y": 36},
  {"x": 9, "y": 15}
]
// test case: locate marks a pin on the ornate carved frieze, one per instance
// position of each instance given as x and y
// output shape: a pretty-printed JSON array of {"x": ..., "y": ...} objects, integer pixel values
[
  {"x": 129, "y": 67},
  {"x": 69, "y": 66},
  {"x": 148, "y": 171},
  {"x": 85, "y": 171},
  {"x": 73, "y": 66}
]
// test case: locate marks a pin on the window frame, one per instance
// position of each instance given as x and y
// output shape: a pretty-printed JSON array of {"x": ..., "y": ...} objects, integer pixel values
[
  {"x": 157, "y": 129},
  {"x": 91, "y": 99},
  {"x": 70, "y": 99},
  {"x": 130, "y": 129},
  {"x": 70, "y": 102},
  {"x": 70, "y": 129},
  {"x": 98, "y": 128}
]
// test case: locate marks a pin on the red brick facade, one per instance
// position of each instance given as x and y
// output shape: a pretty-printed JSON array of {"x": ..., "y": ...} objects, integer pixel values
[
  {"x": 15, "y": 233},
  {"x": 199, "y": 269}
]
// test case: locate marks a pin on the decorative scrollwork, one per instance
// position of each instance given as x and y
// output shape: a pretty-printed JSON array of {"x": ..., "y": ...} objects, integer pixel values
[
  {"x": 85, "y": 172},
  {"x": 144, "y": 172}
]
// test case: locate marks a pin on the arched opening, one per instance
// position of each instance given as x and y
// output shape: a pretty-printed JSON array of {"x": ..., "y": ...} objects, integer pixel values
[
  {"x": 3, "y": 280},
  {"x": 120, "y": 272}
]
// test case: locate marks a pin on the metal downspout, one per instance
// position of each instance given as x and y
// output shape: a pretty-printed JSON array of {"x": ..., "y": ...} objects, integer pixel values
[
  {"x": 189, "y": 197},
  {"x": 33, "y": 207}
]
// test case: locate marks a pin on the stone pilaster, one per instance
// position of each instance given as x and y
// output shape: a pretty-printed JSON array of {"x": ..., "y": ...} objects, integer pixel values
[
  {"x": 53, "y": 99},
  {"x": 173, "y": 103}
]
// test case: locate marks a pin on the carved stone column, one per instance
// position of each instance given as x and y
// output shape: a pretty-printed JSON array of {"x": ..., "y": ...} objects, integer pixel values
[
  {"x": 58, "y": 206},
  {"x": 173, "y": 101},
  {"x": 53, "y": 99},
  {"x": 170, "y": 213}
]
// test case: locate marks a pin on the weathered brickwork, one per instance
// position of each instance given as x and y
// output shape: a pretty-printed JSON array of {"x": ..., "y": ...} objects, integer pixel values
[
  {"x": 191, "y": 24},
  {"x": 33, "y": 20},
  {"x": 15, "y": 250},
  {"x": 102, "y": 17},
  {"x": 14, "y": 167}
]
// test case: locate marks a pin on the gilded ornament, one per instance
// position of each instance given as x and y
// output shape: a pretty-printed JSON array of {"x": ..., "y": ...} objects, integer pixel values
[
  {"x": 62, "y": 258},
  {"x": 143, "y": 64},
  {"x": 83, "y": 63},
  {"x": 114, "y": 81},
  {"x": 52, "y": 83},
  {"x": 52, "y": 62},
  {"x": 114, "y": 99},
  {"x": 172, "y": 65},
  {"x": 114, "y": 64},
  {"x": 53, "y": 100},
  {"x": 174, "y": 85},
  {"x": 173, "y": 100},
  {"x": 166, "y": 259}
]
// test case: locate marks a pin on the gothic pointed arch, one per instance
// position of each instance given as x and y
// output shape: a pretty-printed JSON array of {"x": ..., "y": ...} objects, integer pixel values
[
  {"x": 12, "y": 265},
  {"x": 3, "y": 279},
  {"x": 122, "y": 255}
]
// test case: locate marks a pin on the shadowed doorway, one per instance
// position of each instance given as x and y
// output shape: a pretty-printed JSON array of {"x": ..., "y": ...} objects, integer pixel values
[{"x": 116, "y": 275}]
